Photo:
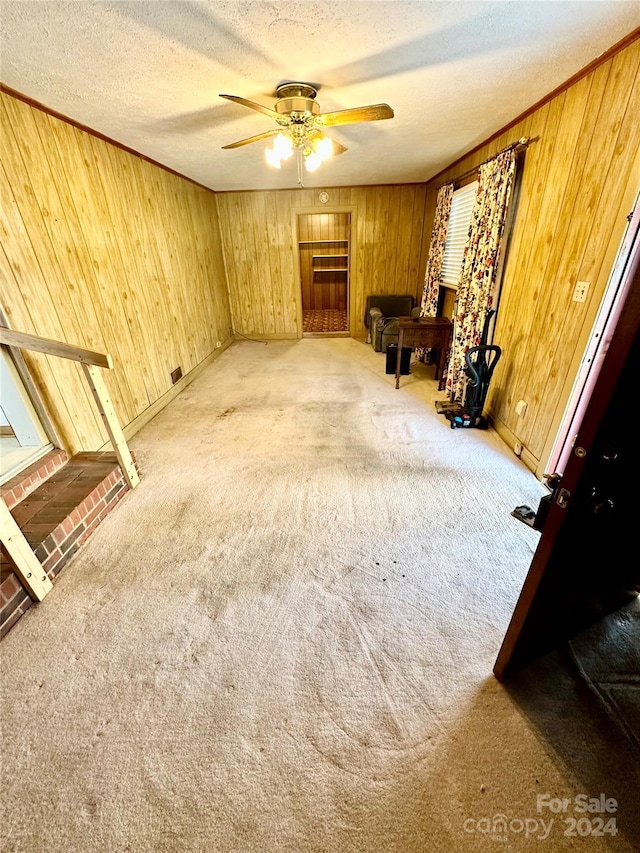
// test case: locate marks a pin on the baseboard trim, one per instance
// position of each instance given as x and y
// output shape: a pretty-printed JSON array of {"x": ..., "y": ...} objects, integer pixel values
[
  {"x": 326, "y": 334},
  {"x": 510, "y": 440},
  {"x": 257, "y": 337}
]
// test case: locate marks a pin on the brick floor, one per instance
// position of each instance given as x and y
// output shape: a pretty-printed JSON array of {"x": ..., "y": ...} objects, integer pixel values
[{"x": 19, "y": 487}]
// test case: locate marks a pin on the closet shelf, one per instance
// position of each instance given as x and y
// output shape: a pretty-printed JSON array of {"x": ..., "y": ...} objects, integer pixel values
[{"x": 310, "y": 242}]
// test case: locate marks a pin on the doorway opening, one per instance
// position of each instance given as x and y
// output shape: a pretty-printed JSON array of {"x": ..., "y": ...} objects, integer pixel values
[
  {"x": 23, "y": 439},
  {"x": 324, "y": 250}
]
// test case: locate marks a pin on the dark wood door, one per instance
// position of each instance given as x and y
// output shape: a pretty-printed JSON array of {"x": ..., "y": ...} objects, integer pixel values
[{"x": 587, "y": 564}]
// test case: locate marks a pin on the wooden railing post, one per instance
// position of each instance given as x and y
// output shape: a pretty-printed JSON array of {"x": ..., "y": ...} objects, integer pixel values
[
  {"x": 33, "y": 576},
  {"x": 118, "y": 441}
]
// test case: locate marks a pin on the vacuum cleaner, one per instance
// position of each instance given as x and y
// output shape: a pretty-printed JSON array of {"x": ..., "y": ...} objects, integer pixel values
[{"x": 480, "y": 364}]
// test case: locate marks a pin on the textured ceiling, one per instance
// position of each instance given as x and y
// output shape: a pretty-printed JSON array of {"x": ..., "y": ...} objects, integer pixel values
[{"x": 148, "y": 74}]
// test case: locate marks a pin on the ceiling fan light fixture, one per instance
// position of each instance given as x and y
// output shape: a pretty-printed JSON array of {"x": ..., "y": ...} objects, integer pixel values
[
  {"x": 323, "y": 147},
  {"x": 272, "y": 158},
  {"x": 300, "y": 120},
  {"x": 312, "y": 161},
  {"x": 320, "y": 150},
  {"x": 282, "y": 149},
  {"x": 283, "y": 145}
]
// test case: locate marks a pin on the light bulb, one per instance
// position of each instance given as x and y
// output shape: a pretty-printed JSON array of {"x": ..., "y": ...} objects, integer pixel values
[
  {"x": 323, "y": 147},
  {"x": 312, "y": 161},
  {"x": 283, "y": 146},
  {"x": 273, "y": 158}
]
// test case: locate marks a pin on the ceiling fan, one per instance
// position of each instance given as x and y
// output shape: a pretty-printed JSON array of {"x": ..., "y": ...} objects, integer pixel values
[{"x": 301, "y": 124}]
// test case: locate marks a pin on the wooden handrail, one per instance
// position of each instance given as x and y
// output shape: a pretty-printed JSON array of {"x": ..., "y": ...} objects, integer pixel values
[
  {"x": 27, "y": 565},
  {"x": 90, "y": 360},
  {"x": 57, "y": 348}
]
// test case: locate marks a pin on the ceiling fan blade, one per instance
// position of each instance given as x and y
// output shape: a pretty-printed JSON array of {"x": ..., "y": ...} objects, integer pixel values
[
  {"x": 376, "y": 112},
  {"x": 338, "y": 147},
  {"x": 255, "y": 138},
  {"x": 267, "y": 111}
]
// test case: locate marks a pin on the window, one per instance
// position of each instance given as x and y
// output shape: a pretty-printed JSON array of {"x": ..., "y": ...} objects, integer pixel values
[{"x": 457, "y": 233}]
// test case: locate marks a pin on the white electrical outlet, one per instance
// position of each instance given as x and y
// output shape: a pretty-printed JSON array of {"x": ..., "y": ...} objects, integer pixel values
[
  {"x": 521, "y": 408},
  {"x": 517, "y": 448},
  {"x": 580, "y": 292},
  {"x": 218, "y": 344}
]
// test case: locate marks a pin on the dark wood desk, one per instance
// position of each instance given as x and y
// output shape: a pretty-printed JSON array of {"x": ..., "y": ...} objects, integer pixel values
[{"x": 430, "y": 332}]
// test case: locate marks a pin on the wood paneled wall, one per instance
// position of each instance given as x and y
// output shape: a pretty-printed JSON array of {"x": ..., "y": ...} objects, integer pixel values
[
  {"x": 104, "y": 250},
  {"x": 579, "y": 182},
  {"x": 388, "y": 254}
]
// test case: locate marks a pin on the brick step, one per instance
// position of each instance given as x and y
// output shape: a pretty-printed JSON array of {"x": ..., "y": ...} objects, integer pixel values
[
  {"x": 19, "y": 487},
  {"x": 56, "y": 518}
]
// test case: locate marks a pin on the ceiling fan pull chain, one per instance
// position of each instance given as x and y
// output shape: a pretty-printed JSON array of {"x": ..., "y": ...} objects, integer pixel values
[{"x": 299, "y": 162}]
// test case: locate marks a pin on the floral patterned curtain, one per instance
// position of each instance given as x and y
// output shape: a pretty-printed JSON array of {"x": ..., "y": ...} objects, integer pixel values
[
  {"x": 479, "y": 265},
  {"x": 431, "y": 291},
  {"x": 436, "y": 252}
]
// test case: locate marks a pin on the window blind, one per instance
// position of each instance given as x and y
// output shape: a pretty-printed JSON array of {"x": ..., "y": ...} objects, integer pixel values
[{"x": 457, "y": 233}]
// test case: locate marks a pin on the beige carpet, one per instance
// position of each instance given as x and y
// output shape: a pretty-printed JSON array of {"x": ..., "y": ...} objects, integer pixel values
[{"x": 283, "y": 639}]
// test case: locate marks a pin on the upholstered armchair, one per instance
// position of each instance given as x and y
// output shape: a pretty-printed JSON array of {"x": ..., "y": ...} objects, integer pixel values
[{"x": 381, "y": 318}]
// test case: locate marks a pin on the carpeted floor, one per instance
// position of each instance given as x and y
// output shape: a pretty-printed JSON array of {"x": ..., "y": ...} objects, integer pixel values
[{"x": 283, "y": 639}]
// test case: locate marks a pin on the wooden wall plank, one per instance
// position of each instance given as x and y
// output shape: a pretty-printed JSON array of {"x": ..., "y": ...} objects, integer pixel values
[
  {"x": 288, "y": 282},
  {"x": 409, "y": 256},
  {"x": 360, "y": 283},
  {"x": 14, "y": 303},
  {"x": 40, "y": 183},
  {"x": 129, "y": 306},
  {"x": 263, "y": 271},
  {"x": 227, "y": 217},
  {"x": 104, "y": 250},
  {"x": 72, "y": 417},
  {"x": 379, "y": 237},
  {"x": 557, "y": 197},
  {"x": 591, "y": 261},
  {"x": 29, "y": 222},
  {"x": 128, "y": 390},
  {"x": 393, "y": 227},
  {"x": 275, "y": 266},
  {"x": 513, "y": 339},
  {"x": 596, "y": 168}
]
